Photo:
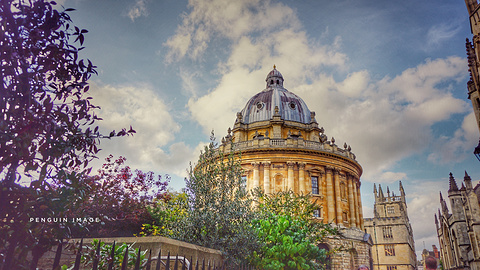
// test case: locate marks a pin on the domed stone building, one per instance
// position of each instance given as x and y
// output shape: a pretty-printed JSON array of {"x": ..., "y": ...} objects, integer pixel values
[{"x": 283, "y": 148}]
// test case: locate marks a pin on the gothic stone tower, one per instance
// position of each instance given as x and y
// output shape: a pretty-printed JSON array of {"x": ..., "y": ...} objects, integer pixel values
[
  {"x": 394, "y": 248},
  {"x": 459, "y": 231},
  {"x": 282, "y": 148},
  {"x": 473, "y": 52}
]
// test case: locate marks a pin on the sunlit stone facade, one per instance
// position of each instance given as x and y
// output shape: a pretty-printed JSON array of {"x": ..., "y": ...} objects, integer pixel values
[
  {"x": 458, "y": 230},
  {"x": 283, "y": 148},
  {"x": 394, "y": 246}
]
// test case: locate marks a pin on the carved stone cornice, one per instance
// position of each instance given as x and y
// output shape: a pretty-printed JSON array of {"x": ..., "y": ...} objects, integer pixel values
[
  {"x": 290, "y": 164},
  {"x": 329, "y": 169}
]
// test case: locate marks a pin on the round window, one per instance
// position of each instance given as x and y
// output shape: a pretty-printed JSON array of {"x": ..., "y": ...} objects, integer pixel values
[
  {"x": 292, "y": 105},
  {"x": 260, "y": 105}
]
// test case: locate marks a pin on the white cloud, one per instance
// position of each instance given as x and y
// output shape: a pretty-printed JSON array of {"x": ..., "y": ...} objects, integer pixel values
[
  {"x": 455, "y": 149},
  {"x": 140, "y": 107},
  {"x": 384, "y": 120},
  {"x": 423, "y": 204},
  {"x": 228, "y": 19},
  {"x": 389, "y": 119},
  {"x": 437, "y": 34},
  {"x": 390, "y": 177},
  {"x": 138, "y": 10}
]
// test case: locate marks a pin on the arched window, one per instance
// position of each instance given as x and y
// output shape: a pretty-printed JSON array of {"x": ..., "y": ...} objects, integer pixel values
[{"x": 328, "y": 262}]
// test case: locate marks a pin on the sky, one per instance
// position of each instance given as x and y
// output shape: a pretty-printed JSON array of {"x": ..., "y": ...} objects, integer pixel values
[{"x": 387, "y": 77}]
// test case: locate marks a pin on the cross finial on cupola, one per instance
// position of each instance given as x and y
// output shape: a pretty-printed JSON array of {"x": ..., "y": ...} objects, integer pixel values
[{"x": 274, "y": 67}]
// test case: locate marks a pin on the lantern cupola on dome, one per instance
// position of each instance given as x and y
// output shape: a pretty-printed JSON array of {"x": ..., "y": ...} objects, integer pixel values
[
  {"x": 275, "y": 99},
  {"x": 274, "y": 78}
]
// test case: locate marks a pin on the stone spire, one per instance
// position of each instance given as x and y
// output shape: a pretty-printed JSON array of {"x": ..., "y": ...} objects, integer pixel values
[
  {"x": 444, "y": 204},
  {"x": 452, "y": 183},
  {"x": 468, "y": 181},
  {"x": 402, "y": 191},
  {"x": 380, "y": 195}
]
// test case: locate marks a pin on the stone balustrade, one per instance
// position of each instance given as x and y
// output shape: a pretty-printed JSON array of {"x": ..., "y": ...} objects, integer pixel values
[{"x": 289, "y": 143}]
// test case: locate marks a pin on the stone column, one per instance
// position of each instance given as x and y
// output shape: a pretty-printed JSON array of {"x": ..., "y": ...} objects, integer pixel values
[
  {"x": 338, "y": 202},
  {"x": 323, "y": 183},
  {"x": 301, "y": 178},
  {"x": 290, "y": 180},
  {"x": 330, "y": 195},
  {"x": 351, "y": 201},
  {"x": 355, "y": 195},
  {"x": 256, "y": 175},
  {"x": 266, "y": 177},
  {"x": 360, "y": 209}
]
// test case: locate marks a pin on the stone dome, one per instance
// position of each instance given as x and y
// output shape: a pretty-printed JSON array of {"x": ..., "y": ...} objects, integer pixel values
[{"x": 261, "y": 107}]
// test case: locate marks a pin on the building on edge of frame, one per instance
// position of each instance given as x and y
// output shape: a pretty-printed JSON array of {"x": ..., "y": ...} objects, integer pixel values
[{"x": 394, "y": 246}]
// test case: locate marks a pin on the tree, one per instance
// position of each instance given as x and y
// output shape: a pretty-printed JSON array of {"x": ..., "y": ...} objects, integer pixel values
[
  {"x": 220, "y": 207},
  {"x": 289, "y": 233},
  {"x": 119, "y": 197},
  {"x": 169, "y": 214},
  {"x": 46, "y": 124}
]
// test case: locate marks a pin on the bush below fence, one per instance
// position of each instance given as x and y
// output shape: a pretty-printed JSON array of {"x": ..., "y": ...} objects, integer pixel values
[{"x": 192, "y": 253}]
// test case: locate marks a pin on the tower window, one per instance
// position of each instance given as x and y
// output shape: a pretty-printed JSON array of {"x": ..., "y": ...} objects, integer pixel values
[
  {"x": 392, "y": 267},
  {"x": 387, "y": 232},
  {"x": 391, "y": 209},
  {"x": 278, "y": 82},
  {"x": 271, "y": 82},
  {"x": 389, "y": 250},
  {"x": 314, "y": 185}
]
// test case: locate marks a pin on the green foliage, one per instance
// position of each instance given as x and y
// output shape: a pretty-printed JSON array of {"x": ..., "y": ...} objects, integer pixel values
[
  {"x": 289, "y": 233},
  {"x": 220, "y": 208},
  {"x": 105, "y": 257},
  {"x": 287, "y": 244},
  {"x": 299, "y": 206},
  {"x": 168, "y": 212},
  {"x": 271, "y": 231},
  {"x": 286, "y": 202}
]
